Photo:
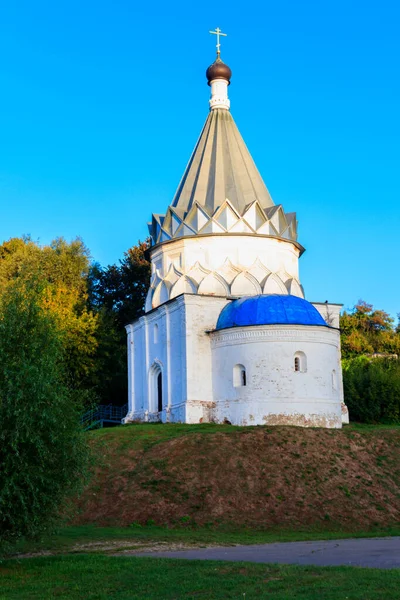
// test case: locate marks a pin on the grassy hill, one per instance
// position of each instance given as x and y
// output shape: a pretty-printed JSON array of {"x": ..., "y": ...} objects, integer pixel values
[{"x": 259, "y": 477}]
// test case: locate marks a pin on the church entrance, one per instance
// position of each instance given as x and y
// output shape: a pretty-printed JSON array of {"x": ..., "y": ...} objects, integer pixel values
[
  {"x": 159, "y": 392},
  {"x": 156, "y": 389}
]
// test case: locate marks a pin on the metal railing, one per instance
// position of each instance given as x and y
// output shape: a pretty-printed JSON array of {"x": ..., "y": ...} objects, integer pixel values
[{"x": 103, "y": 413}]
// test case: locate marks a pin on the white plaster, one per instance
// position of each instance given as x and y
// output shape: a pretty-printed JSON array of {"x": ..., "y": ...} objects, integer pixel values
[
  {"x": 224, "y": 265},
  {"x": 275, "y": 392},
  {"x": 219, "y": 94},
  {"x": 329, "y": 312},
  {"x": 131, "y": 378},
  {"x": 198, "y": 364},
  {"x": 183, "y": 352}
]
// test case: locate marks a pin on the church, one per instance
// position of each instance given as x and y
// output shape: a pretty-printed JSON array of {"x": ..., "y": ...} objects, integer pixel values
[{"x": 227, "y": 335}]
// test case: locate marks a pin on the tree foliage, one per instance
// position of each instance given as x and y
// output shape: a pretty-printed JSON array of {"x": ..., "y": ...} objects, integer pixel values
[
  {"x": 63, "y": 269},
  {"x": 90, "y": 304},
  {"x": 372, "y": 389},
  {"x": 371, "y": 364},
  {"x": 117, "y": 295},
  {"x": 365, "y": 330},
  {"x": 121, "y": 289},
  {"x": 43, "y": 453}
]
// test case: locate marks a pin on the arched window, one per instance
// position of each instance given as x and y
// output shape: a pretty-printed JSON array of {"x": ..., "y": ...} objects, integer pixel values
[
  {"x": 300, "y": 362},
  {"x": 155, "y": 333},
  {"x": 239, "y": 376}
]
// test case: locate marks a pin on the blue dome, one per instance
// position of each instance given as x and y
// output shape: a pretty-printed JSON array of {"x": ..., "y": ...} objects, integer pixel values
[{"x": 272, "y": 309}]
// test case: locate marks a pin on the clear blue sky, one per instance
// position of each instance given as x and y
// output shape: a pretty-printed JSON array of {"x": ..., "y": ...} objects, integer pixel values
[{"x": 101, "y": 104}]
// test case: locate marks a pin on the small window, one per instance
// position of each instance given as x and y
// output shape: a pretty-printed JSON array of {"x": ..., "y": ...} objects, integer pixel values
[
  {"x": 300, "y": 362},
  {"x": 334, "y": 381},
  {"x": 155, "y": 333},
  {"x": 239, "y": 376}
]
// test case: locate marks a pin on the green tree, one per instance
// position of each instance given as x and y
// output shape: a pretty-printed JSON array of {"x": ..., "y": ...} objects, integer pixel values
[
  {"x": 117, "y": 295},
  {"x": 365, "y": 330},
  {"x": 43, "y": 452},
  {"x": 63, "y": 268},
  {"x": 372, "y": 389},
  {"x": 122, "y": 289}
]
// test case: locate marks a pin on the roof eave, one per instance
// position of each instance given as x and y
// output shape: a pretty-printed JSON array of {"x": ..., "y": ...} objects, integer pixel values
[{"x": 239, "y": 234}]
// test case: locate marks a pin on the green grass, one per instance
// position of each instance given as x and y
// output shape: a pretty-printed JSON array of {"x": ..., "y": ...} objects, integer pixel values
[
  {"x": 361, "y": 427},
  {"x": 97, "y": 577},
  {"x": 155, "y": 432},
  {"x": 147, "y": 434},
  {"x": 64, "y": 540}
]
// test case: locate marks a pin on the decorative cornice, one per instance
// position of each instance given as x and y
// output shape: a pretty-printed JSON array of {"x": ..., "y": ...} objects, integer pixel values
[
  {"x": 273, "y": 333},
  {"x": 227, "y": 280},
  {"x": 225, "y": 219}
]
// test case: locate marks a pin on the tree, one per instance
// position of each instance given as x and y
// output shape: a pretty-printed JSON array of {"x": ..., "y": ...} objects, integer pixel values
[
  {"x": 43, "y": 453},
  {"x": 365, "y": 330},
  {"x": 371, "y": 367},
  {"x": 63, "y": 269},
  {"x": 122, "y": 289},
  {"x": 117, "y": 295},
  {"x": 372, "y": 389}
]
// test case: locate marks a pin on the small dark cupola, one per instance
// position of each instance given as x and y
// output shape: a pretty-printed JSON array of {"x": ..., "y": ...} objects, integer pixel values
[{"x": 218, "y": 70}]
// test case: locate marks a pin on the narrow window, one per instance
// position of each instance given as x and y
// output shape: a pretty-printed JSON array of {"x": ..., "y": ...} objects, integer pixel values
[
  {"x": 155, "y": 333},
  {"x": 239, "y": 376},
  {"x": 300, "y": 362},
  {"x": 334, "y": 384}
]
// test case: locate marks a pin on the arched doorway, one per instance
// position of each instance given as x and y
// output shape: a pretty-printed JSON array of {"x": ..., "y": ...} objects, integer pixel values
[
  {"x": 159, "y": 392},
  {"x": 156, "y": 388}
]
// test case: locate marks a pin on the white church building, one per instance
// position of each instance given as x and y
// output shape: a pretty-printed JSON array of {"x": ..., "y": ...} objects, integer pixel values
[{"x": 227, "y": 334}]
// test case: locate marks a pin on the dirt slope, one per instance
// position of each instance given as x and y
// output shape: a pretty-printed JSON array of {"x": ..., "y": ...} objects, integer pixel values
[{"x": 261, "y": 476}]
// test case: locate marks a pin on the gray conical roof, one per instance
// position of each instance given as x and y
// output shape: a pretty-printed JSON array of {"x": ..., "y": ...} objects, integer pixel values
[{"x": 221, "y": 168}]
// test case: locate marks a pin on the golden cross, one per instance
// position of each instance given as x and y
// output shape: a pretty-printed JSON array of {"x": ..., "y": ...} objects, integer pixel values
[{"x": 218, "y": 32}]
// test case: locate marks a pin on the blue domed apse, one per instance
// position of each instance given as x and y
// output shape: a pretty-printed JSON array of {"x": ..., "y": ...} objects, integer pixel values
[{"x": 272, "y": 309}]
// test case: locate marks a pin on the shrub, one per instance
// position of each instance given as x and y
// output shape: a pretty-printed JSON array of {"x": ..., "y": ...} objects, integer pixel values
[
  {"x": 43, "y": 453},
  {"x": 372, "y": 389}
]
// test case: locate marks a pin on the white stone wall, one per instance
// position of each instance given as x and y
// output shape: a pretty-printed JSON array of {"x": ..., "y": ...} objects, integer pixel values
[
  {"x": 157, "y": 341},
  {"x": 219, "y": 94},
  {"x": 174, "y": 339},
  {"x": 197, "y": 363},
  {"x": 223, "y": 265},
  {"x": 202, "y": 313},
  {"x": 329, "y": 312},
  {"x": 274, "y": 392}
]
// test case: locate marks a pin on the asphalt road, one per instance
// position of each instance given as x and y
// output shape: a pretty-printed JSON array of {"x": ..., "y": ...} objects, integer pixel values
[{"x": 382, "y": 553}]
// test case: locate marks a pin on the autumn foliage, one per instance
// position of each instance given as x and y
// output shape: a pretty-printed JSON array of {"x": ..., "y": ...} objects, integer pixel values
[
  {"x": 61, "y": 269},
  {"x": 365, "y": 330},
  {"x": 371, "y": 364}
]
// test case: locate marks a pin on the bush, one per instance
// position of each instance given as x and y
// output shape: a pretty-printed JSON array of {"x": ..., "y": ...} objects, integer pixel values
[
  {"x": 372, "y": 389},
  {"x": 43, "y": 453}
]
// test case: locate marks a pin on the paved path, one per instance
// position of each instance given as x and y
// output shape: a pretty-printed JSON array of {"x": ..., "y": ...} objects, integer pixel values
[{"x": 382, "y": 553}]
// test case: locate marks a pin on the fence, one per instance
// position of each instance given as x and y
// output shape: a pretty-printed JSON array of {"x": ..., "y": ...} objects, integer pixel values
[{"x": 103, "y": 413}]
